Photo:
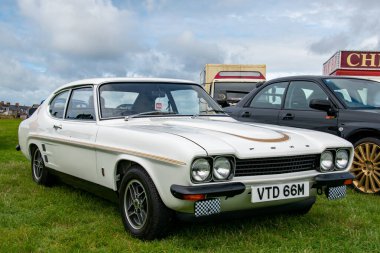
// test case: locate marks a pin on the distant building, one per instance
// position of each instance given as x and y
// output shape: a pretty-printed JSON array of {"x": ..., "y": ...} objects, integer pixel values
[{"x": 16, "y": 110}]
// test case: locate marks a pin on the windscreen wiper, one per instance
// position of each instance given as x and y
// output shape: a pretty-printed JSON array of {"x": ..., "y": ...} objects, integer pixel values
[
  {"x": 205, "y": 113},
  {"x": 147, "y": 114}
]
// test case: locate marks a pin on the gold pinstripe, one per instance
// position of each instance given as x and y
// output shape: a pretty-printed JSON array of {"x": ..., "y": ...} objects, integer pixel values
[
  {"x": 107, "y": 148},
  {"x": 284, "y": 137}
]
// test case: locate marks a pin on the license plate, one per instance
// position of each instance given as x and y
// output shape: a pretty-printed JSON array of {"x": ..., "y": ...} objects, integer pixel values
[{"x": 279, "y": 191}]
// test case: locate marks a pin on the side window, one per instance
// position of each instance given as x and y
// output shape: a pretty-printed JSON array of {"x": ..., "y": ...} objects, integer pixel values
[
  {"x": 300, "y": 93},
  {"x": 81, "y": 105},
  {"x": 270, "y": 96},
  {"x": 57, "y": 105}
]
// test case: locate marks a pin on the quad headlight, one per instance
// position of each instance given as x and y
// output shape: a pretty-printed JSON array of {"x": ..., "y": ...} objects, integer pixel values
[
  {"x": 222, "y": 168},
  {"x": 341, "y": 159},
  {"x": 208, "y": 169},
  {"x": 334, "y": 159},
  {"x": 327, "y": 161},
  {"x": 201, "y": 170}
]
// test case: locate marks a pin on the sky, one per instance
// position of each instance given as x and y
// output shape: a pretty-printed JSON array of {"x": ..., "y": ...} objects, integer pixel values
[{"x": 47, "y": 43}]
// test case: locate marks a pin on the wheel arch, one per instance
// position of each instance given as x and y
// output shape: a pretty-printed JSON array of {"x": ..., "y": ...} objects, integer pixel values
[
  {"x": 161, "y": 174},
  {"x": 32, "y": 147},
  {"x": 363, "y": 133},
  {"x": 122, "y": 166}
]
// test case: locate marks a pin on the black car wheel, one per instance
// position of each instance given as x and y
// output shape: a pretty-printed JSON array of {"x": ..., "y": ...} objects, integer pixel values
[
  {"x": 40, "y": 173},
  {"x": 366, "y": 165},
  {"x": 143, "y": 213}
]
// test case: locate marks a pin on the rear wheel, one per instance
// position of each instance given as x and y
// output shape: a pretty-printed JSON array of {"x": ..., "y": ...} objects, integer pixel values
[
  {"x": 142, "y": 211},
  {"x": 366, "y": 165},
  {"x": 40, "y": 174}
]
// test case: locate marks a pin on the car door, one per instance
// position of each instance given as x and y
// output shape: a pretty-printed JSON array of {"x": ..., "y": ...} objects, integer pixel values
[
  {"x": 75, "y": 153},
  {"x": 49, "y": 126},
  {"x": 265, "y": 105},
  {"x": 297, "y": 113}
]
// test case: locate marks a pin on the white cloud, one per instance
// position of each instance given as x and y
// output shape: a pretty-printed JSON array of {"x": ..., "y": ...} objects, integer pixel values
[
  {"x": 351, "y": 25},
  {"x": 370, "y": 42},
  {"x": 46, "y": 43},
  {"x": 193, "y": 53},
  {"x": 92, "y": 28},
  {"x": 285, "y": 56},
  {"x": 23, "y": 85}
]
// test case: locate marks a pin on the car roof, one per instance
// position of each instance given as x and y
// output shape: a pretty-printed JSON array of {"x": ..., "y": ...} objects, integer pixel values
[
  {"x": 312, "y": 77},
  {"x": 98, "y": 81},
  {"x": 296, "y": 78}
]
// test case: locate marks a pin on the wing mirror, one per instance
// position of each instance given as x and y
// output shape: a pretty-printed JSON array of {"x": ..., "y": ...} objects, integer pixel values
[{"x": 323, "y": 105}]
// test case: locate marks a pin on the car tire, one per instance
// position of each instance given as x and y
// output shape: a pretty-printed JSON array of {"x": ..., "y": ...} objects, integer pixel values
[
  {"x": 40, "y": 173},
  {"x": 366, "y": 165},
  {"x": 143, "y": 213}
]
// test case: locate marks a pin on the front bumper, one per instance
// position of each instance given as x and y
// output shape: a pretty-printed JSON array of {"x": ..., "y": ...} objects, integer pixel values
[
  {"x": 211, "y": 191},
  {"x": 233, "y": 196},
  {"x": 332, "y": 180},
  {"x": 232, "y": 189}
]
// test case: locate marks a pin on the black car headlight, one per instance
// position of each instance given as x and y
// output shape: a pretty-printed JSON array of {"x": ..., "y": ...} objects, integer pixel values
[
  {"x": 201, "y": 170},
  {"x": 341, "y": 159},
  {"x": 327, "y": 161},
  {"x": 222, "y": 168}
]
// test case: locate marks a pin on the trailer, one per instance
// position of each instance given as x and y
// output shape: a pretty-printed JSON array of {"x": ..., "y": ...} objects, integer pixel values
[
  {"x": 362, "y": 64},
  {"x": 229, "y": 83}
]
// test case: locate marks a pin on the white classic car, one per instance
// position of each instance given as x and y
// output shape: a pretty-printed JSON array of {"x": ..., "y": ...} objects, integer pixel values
[{"x": 166, "y": 149}]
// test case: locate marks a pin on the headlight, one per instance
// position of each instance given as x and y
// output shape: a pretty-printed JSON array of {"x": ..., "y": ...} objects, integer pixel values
[
  {"x": 222, "y": 168},
  {"x": 327, "y": 161},
  {"x": 341, "y": 159},
  {"x": 200, "y": 170}
]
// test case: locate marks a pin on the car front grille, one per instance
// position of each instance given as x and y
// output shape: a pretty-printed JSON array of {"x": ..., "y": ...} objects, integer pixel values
[{"x": 275, "y": 165}]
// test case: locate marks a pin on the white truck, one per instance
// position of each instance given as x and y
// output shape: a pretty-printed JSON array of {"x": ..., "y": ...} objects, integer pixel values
[{"x": 229, "y": 83}]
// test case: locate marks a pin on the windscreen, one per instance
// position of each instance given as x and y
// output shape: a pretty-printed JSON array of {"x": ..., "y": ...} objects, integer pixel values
[
  {"x": 356, "y": 93},
  {"x": 124, "y": 99}
]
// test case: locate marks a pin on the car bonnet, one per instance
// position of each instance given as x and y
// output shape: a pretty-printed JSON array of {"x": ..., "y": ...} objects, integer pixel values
[{"x": 243, "y": 140}]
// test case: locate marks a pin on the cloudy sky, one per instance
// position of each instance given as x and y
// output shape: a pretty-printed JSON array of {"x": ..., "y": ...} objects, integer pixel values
[{"x": 46, "y": 43}]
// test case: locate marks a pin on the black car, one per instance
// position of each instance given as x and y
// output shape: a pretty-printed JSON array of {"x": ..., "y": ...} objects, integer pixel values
[{"x": 347, "y": 107}]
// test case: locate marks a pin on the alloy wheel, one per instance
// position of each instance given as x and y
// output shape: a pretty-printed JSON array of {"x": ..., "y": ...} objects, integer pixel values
[
  {"x": 38, "y": 165},
  {"x": 136, "y": 204},
  {"x": 366, "y": 167}
]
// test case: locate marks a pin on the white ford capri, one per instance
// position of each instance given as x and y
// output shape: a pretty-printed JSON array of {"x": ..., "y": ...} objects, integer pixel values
[{"x": 165, "y": 149}]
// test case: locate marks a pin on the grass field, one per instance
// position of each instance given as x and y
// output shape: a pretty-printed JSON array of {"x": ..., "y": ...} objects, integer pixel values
[{"x": 62, "y": 219}]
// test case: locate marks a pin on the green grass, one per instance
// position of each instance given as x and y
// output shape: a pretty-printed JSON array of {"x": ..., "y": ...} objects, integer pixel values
[{"x": 62, "y": 219}]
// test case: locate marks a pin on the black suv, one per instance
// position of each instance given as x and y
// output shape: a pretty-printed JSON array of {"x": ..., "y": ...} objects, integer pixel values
[{"x": 347, "y": 107}]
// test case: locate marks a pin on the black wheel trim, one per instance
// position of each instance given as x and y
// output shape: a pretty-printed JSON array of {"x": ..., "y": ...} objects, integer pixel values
[{"x": 135, "y": 204}]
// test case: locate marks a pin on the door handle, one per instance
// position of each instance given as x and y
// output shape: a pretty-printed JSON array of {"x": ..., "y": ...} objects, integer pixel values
[
  {"x": 288, "y": 116},
  {"x": 245, "y": 114},
  {"x": 57, "y": 126}
]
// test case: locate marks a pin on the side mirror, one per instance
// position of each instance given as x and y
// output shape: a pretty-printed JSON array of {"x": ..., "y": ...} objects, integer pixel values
[{"x": 323, "y": 105}]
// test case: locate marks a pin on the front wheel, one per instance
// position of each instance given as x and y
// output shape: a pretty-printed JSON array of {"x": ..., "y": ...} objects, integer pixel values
[
  {"x": 142, "y": 211},
  {"x": 366, "y": 165}
]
